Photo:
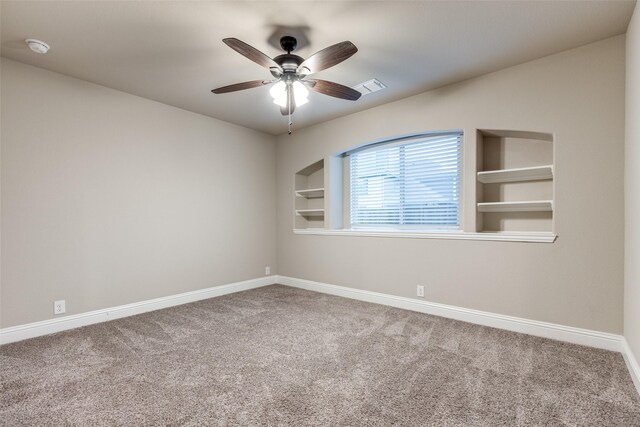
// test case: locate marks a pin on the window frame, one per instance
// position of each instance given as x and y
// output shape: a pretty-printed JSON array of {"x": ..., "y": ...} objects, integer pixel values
[{"x": 404, "y": 228}]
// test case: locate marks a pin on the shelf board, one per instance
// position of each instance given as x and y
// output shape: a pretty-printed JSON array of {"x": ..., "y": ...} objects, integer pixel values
[
  {"x": 310, "y": 212},
  {"x": 535, "y": 173},
  {"x": 312, "y": 193},
  {"x": 504, "y": 236},
  {"x": 311, "y": 169},
  {"x": 503, "y": 133},
  {"x": 528, "y": 206}
]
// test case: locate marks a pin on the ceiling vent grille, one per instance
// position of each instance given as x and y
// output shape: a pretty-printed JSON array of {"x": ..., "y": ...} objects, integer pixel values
[{"x": 370, "y": 86}]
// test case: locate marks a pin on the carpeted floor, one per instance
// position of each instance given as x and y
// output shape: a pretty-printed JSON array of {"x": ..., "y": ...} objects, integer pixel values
[{"x": 288, "y": 357}]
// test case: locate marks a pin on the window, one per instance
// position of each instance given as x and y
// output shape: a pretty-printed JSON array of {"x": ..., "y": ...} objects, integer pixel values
[{"x": 407, "y": 183}]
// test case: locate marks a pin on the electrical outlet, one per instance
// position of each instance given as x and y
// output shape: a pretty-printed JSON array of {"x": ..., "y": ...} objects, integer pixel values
[
  {"x": 420, "y": 291},
  {"x": 59, "y": 307},
  {"x": 267, "y": 270}
]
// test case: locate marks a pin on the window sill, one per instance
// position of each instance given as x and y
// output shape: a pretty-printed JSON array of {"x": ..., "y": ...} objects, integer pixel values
[{"x": 531, "y": 237}]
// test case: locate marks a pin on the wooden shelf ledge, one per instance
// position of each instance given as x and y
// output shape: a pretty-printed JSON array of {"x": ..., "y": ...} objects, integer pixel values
[
  {"x": 528, "y": 206},
  {"x": 312, "y": 193},
  {"x": 535, "y": 173},
  {"x": 310, "y": 212}
]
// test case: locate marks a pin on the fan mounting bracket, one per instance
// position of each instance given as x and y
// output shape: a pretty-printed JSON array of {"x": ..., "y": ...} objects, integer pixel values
[{"x": 288, "y": 43}]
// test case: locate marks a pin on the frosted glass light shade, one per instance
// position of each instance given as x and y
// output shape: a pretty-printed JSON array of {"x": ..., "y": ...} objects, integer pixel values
[
  {"x": 279, "y": 93},
  {"x": 300, "y": 93}
]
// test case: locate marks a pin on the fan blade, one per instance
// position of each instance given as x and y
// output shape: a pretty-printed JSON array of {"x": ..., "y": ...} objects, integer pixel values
[
  {"x": 292, "y": 101},
  {"x": 333, "y": 89},
  {"x": 327, "y": 57},
  {"x": 252, "y": 53},
  {"x": 241, "y": 86}
]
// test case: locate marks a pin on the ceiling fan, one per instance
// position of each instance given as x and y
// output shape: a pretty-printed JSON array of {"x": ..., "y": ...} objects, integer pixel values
[{"x": 290, "y": 72}]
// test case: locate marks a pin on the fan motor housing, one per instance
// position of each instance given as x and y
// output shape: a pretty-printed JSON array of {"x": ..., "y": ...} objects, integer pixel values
[{"x": 289, "y": 62}]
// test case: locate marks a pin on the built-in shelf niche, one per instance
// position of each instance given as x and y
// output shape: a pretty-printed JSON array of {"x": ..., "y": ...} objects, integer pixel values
[
  {"x": 515, "y": 173},
  {"x": 309, "y": 197}
]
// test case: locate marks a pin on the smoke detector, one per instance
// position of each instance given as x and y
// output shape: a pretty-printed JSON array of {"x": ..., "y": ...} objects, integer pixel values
[{"x": 37, "y": 46}]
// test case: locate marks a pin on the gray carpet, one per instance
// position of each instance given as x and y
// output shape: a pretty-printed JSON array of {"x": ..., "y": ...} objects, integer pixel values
[{"x": 284, "y": 356}]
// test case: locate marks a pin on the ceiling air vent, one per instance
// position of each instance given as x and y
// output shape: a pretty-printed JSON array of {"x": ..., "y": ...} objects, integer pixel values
[{"x": 370, "y": 86}]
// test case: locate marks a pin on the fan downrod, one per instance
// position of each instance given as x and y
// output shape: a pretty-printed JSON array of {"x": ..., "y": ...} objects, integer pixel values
[{"x": 288, "y": 43}]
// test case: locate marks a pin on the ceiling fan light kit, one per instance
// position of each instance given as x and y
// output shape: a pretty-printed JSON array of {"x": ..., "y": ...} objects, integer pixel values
[
  {"x": 279, "y": 93},
  {"x": 290, "y": 73}
]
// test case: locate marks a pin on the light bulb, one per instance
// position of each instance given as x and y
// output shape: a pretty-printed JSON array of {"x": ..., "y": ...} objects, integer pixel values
[{"x": 279, "y": 93}]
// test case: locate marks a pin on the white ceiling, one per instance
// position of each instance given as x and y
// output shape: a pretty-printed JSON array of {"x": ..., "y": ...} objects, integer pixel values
[{"x": 172, "y": 51}]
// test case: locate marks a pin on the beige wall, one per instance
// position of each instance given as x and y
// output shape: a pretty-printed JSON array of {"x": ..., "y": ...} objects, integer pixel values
[
  {"x": 108, "y": 198},
  {"x": 577, "y": 95},
  {"x": 632, "y": 189}
]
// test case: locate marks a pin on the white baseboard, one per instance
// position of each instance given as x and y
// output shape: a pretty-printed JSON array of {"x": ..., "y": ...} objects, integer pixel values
[
  {"x": 45, "y": 327},
  {"x": 570, "y": 334},
  {"x": 532, "y": 327},
  {"x": 632, "y": 364}
]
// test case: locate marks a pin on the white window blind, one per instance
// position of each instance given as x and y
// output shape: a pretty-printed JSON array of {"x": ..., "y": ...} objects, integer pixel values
[{"x": 412, "y": 183}]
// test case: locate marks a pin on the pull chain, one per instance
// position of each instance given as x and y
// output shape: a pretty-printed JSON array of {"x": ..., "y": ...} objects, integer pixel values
[{"x": 289, "y": 106}]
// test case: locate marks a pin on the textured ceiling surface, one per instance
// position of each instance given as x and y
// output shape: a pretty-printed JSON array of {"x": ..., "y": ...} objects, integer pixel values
[{"x": 172, "y": 52}]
